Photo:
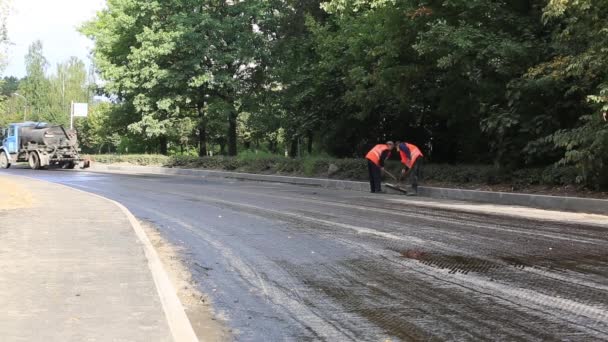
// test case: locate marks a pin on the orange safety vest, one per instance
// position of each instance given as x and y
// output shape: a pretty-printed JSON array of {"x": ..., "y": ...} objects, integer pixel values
[
  {"x": 414, "y": 151},
  {"x": 376, "y": 152}
]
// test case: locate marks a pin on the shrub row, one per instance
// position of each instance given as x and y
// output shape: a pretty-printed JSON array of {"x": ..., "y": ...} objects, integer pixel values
[
  {"x": 351, "y": 169},
  {"x": 135, "y": 159}
]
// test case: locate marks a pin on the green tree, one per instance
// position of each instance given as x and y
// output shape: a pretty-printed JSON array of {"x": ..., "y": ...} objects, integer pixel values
[
  {"x": 475, "y": 61},
  {"x": 4, "y": 12},
  {"x": 3, "y": 45},
  {"x": 514, "y": 82},
  {"x": 68, "y": 84},
  {"x": 175, "y": 59},
  {"x": 11, "y": 107},
  {"x": 289, "y": 101},
  {"x": 9, "y": 85},
  {"x": 35, "y": 86},
  {"x": 577, "y": 75}
]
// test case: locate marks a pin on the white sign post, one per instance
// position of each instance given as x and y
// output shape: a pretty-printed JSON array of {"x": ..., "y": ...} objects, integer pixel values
[{"x": 78, "y": 110}]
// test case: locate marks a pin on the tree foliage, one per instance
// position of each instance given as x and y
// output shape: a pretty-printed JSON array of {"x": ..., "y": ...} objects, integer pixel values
[
  {"x": 579, "y": 67},
  {"x": 42, "y": 95},
  {"x": 177, "y": 60},
  {"x": 516, "y": 83},
  {"x": 4, "y": 10}
]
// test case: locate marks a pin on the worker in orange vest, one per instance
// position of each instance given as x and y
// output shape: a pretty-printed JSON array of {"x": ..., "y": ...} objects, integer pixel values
[
  {"x": 375, "y": 164},
  {"x": 411, "y": 158}
]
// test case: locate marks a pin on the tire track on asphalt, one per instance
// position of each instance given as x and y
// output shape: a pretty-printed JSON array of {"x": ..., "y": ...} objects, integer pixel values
[
  {"x": 470, "y": 281},
  {"x": 299, "y": 312},
  {"x": 535, "y": 302},
  {"x": 364, "y": 230},
  {"x": 409, "y": 239},
  {"x": 434, "y": 218}
]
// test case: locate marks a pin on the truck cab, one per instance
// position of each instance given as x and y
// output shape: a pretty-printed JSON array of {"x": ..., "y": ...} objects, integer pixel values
[
  {"x": 11, "y": 137},
  {"x": 9, "y": 147}
]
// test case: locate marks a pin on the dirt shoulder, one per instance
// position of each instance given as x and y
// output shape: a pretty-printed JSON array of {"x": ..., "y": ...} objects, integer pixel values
[
  {"x": 207, "y": 326},
  {"x": 13, "y": 195}
]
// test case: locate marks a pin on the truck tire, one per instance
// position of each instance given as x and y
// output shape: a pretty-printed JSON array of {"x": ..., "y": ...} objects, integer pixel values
[
  {"x": 34, "y": 161},
  {"x": 4, "y": 164},
  {"x": 69, "y": 165}
]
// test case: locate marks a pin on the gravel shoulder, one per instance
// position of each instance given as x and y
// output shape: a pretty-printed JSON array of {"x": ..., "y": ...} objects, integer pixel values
[{"x": 13, "y": 195}]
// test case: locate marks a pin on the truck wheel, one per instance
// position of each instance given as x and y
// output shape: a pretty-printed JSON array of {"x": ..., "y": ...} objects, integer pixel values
[
  {"x": 4, "y": 164},
  {"x": 68, "y": 166},
  {"x": 34, "y": 161}
]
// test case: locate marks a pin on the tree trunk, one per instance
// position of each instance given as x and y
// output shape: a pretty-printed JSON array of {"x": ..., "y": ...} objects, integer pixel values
[
  {"x": 293, "y": 152},
  {"x": 232, "y": 149},
  {"x": 202, "y": 132},
  {"x": 162, "y": 145},
  {"x": 309, "y": 147}
]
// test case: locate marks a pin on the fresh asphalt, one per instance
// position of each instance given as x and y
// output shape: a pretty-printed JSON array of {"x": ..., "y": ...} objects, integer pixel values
[{"x": 289, "y": 263}]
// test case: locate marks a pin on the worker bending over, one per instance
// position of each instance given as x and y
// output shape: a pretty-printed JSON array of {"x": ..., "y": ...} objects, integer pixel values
[
  {"x": 411, "y": 158},
  {"x": 375, "y": 164}
]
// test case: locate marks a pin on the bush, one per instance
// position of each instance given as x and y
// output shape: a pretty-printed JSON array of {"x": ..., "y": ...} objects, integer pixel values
[
  {"x": 135, "y": 159},
  {"x": 481, "y": 174}
]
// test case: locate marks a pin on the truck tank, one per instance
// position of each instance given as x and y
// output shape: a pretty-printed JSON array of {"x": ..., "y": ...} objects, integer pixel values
[{"x": 44, "y": 135}]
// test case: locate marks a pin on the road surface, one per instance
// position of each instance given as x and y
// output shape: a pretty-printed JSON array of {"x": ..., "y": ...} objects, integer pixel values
[{"x": 288, "y": 263}]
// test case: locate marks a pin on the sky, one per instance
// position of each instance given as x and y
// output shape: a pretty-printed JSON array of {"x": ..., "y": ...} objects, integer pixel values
[{"x": 55, "y": 23}]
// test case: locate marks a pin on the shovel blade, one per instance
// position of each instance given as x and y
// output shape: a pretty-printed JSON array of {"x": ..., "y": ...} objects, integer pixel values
[{"x": 397, "y": 187}]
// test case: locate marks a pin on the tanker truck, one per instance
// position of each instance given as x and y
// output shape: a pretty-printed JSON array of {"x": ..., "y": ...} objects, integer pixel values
[{"x": 40, "y": 145}]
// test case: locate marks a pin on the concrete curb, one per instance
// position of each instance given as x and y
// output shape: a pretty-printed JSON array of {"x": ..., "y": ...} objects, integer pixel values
[
  {"x": 319, "y": 182},
  {"x": 558, "y": 203},
  {"x": 573, "y": 204},
  {"x": 181, "y": 328},
  {"x": 178, "y": 321}
]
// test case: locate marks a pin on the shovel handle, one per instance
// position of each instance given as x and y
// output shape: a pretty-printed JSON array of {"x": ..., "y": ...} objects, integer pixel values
[{"x": 390, "y": 174}]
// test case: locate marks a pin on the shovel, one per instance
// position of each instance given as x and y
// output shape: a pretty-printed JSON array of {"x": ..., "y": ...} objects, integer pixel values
[
  {"x": 395, "y": 187},
  {"x": 390, "y": 174}
]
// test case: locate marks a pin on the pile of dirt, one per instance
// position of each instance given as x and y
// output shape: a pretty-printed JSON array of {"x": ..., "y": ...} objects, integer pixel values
[{"x": 14, "y": 195}]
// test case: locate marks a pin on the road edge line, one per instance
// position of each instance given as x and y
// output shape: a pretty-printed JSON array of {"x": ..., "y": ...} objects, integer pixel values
[{"x": 178, "y": 321}]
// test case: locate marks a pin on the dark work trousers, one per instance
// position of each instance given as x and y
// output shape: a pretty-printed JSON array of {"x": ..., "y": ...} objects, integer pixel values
[
  {"x": 415, "y": 173},
  {"x": 375, "y": 176}
]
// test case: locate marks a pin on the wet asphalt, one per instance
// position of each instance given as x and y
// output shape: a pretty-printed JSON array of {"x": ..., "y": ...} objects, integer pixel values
[{"x": 289, "y": 263}]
